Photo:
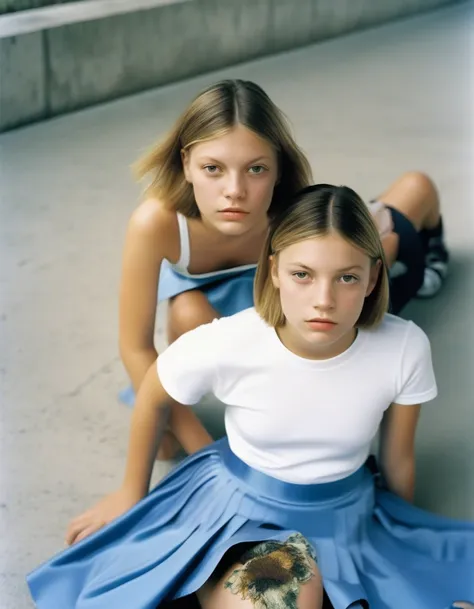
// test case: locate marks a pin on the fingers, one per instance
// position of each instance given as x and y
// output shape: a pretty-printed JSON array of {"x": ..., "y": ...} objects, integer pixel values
[
  {"x": 77, "y": 525},
  {"x": 93, "y": 528},
  {"x": 82, "y": 526}
]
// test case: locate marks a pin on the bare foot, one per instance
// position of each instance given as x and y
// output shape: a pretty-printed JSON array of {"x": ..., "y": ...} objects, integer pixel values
[{"x": 169, "y": 447}]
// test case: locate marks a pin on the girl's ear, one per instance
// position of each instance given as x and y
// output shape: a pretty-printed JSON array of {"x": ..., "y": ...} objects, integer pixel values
[{"x": 374, "y": 275}]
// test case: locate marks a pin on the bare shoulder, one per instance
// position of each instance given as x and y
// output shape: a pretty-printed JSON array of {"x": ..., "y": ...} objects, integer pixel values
[
  {"x": 153, "y": 224},
  {"x": 151, "y": 218}
]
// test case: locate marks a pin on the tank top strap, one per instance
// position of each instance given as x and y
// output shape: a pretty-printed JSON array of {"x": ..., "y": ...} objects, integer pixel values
[{"x": 185, "y": 250}]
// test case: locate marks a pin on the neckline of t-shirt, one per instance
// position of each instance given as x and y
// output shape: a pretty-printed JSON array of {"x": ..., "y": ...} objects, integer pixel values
[{"x": 322, "y": 364}]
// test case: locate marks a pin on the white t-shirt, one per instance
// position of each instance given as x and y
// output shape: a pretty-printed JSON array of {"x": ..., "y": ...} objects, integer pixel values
[{"x": 299, "y": 420}]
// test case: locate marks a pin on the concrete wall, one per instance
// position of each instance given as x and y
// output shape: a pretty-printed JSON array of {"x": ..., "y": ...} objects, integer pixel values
[
  {"x": 62, "y": 58},
  {"x": 13, "y": 6}
]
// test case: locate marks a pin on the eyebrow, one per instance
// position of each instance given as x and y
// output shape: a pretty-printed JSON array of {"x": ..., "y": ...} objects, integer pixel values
[
  {"x": 217, "y": 162},
  {"x": 260, "y": 158},
  {"x": 353, "y": 267}
]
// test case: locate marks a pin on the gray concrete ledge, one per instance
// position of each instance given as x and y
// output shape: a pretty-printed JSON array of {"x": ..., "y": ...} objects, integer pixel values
[
  {"x": 34, "y": 20},
  {"x": 16, "y": 6},
  {"x": 66, "y": 57}
]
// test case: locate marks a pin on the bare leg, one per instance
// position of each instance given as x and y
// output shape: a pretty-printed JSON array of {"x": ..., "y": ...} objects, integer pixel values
[
  {"x": 415, "y": 196},
  {"x": 275, "y": 575},
  {"x": 185, "y": 312},
  {"x": 188, "y": 311}
]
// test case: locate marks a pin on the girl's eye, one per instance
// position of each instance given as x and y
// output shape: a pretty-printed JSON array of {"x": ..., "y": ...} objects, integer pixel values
[
  {"x": 257, "y": 169},
  {"x": 349, "y": 279},
  {"x": 211, "y": 168},
  {"x": 300, "y": 275}
]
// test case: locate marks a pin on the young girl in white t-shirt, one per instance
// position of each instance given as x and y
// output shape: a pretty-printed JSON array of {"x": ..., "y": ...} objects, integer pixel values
[
  {"x": 283, "y": 512},
  {"x": 226, "y": 167}
]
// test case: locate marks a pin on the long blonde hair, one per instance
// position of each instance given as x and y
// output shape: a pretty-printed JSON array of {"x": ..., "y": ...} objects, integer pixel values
[
  {"x": 315, "y": 212},
  {"x": 215, "y": 111}
]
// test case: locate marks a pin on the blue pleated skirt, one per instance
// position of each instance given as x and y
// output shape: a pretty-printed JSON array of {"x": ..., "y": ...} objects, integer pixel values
[
  {"x": 229, "y": 292},
  {"x": 371, "y": 546}
]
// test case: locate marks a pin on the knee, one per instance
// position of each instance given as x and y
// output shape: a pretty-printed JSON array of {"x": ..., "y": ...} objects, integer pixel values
[
  {"x": 420, "y": 182},
  {"x": 185, "y": 313}
]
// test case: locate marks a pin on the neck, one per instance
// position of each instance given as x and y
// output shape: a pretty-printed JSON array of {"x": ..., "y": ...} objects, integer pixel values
[
  {"x": 260, "y": 230},
  {"x": 294, "y": 343}
]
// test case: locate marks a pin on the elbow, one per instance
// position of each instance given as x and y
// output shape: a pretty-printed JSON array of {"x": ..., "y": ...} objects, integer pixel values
[
  {"x": 130, "y": 352},
  {"x": 137, "y": 359},
  {"x": 126, "y": 354},
  {"x": 124, "y": 350}
]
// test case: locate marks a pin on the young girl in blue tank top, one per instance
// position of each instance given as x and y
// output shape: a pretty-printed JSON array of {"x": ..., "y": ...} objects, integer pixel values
[{"x": 229, "y": 164}]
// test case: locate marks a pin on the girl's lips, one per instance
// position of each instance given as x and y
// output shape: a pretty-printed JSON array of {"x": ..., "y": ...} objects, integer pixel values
[
  {"x": 322, "y": 320},
  {"x": 234, "y": 210},
  {"x": 321, "y": 325},
  {"x": 233, "y": 214}
]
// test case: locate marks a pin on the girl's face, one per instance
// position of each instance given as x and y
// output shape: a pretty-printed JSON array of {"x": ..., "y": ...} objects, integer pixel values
[
  {"x": 323, "y": 282},
  {"x": 233, "y": 177}
]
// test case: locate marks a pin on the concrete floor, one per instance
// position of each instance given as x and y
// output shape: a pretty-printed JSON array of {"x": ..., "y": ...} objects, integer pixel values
[{"x": 365, "y": 108}]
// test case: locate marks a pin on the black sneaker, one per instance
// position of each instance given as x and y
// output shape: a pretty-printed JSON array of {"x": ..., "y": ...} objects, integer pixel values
[{"x": 436, "y": 269}]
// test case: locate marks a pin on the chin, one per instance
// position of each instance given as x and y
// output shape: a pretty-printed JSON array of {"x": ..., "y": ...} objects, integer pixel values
[
  {"x": 232, "y": 228},
  {"x": 319, "y": 338},
  {"x": 313, "y": 337}
]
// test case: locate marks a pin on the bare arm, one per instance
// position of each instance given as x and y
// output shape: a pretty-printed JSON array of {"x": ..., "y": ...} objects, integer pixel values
[
  {"x": 151, "y": 236},
  {"x": 147, "y": 427},
  {"x": 397, "y": 449}
]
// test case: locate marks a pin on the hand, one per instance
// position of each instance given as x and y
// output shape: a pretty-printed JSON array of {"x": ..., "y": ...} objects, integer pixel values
[{"x": 109, "y": 508}]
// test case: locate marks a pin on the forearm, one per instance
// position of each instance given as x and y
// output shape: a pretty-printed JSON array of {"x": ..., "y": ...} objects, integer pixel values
[
  {"x": 149, "y": 420},
  {"x": 400, "y": 478}
]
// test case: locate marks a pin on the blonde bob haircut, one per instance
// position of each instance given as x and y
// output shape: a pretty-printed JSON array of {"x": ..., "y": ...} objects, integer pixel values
[
  {"x": 214, "y": 112},
  {"x": 317, "y": 211}
]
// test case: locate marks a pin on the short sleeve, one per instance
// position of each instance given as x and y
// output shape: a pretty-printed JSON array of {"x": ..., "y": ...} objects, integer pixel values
[
  {"x": 417, "y": 380},
  {"x": 187, "y": 368}
]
